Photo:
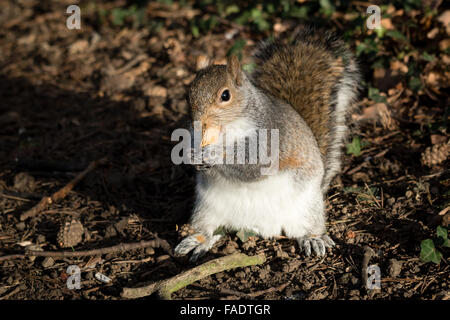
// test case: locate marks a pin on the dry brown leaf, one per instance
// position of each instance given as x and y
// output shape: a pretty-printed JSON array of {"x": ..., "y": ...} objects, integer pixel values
[
  {"x": 280, "y": 27},
  {"x": 368, "y": 114},
  {"x": 140, "y": 69},
  {"x": 78, "y": 46},
  {"x": 444, "y": 211},
  {"x": 445, "y": 59},
  {"x": 379, "y": 73},
  {"x": 202, "y": 62},
  {"x": 444, "y": 44},
  {"x": 444, "y": 18},
  {"x": 350, "y": 234},
  {"x": 432, "y": 34},
  {"x": 175, "y": 50},
  {"x": 156, "y": 91},
  {"x": 437, "y": 138},
  {"x": 397, "y": 65},
  {"x": 398, "y": 13},
  {"x": 390, "y": 9},
  {"x": 220, "y": 61},
  {"x": 446, "y": 219},
  {"x": 386, "y": 23},
  {"x": 116, "y": 83},
  {"x": 385, "y": 117},
  {"x": 378, "y": 112},
  {"x": 432, "y": 79},
  {"x": 27, "y": 40}
]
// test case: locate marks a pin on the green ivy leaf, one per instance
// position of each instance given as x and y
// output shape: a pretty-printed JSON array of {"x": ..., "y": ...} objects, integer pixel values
[
  {"x": 243, "y": 235},
  {"x": 396, "y": 35},
  {"x": 380, "y": 32},
  {"x": 327, "y": 6},
  {"x": 374, "y": 94},
  {"x": 220, "y": 231},
  {"x": 428, "y": 57},
  {"x": 415, "y": 83},
  {"x": 354, "y": 147},
  {"x": 195, "y": 31},
  {"x": 231, "y": 9},
  {"x": 442, "y": 233},
  {"x": 428, "y": 252},
  {"x": 237, "y": 48}
]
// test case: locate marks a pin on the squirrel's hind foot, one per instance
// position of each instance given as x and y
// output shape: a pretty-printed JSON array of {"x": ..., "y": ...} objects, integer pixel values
[
  {"x": 198, "y": 242},
  {"x": 318, "y": 244}
]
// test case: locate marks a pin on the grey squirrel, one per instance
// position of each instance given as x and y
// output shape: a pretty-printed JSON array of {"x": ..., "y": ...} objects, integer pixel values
[{"x": 306, "y": 89}]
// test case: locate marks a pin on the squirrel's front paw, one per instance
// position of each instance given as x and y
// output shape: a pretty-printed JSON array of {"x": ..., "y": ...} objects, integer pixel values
[
  {"x": 203, "y": 160},
  {"x": 199, "y": 243},
  {"x": 317, "y": 243},
  {"x": 203, "y": 166}
]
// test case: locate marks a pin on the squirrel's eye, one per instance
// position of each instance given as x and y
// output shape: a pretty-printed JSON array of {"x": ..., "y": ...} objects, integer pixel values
[{"x": 225, "y": 95}]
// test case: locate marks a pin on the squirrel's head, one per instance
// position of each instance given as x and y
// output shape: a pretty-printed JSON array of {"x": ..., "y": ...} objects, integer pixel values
[{"x": 216, "y": 97}]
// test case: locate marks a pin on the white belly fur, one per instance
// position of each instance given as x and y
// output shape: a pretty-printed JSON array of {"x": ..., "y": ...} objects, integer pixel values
[{"x": 274, "y": 206}]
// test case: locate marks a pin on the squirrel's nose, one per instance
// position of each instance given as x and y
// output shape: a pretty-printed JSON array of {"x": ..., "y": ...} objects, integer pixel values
[{"x": 210, "y": 133}]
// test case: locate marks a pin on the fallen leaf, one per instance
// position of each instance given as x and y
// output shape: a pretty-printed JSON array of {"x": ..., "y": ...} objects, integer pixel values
[
  {"x": 386, "y": 23},
  {"x": 78, "y": 46},
  {"x": 429, "y": 252},
  {"x": 446, "y": 59},
  {"x": 444, "y": 44},
  {"x": 432, "y": 34},
  {"x": 444, "y": 18},
  {"x": 437, "y": 138},
  {"x": 432, "y": 79},
  {"x": 397, "y": 65},
  {"x": 350, "y": 234},
  {"x": 202, "y": 62},
  {"x": 156, "y": 91},
  {"x": 280, "y": 27},
  {"x": 378, "y": 111}
]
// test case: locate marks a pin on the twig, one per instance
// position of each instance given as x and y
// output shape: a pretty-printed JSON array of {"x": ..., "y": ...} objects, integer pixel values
[
  {"x": 61, "y": 193},
  {"x": 10, "y": 294},
  {"x": 155, "y": 243},
  {"x": 130, "y": 64},
  {"x": 7, "y": 196},
  {"x": 373, "y": 196},
  {"x": 165, "y": 288}
]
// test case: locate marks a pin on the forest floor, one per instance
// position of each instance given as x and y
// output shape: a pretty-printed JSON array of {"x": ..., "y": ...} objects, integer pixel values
[{"x": 116, "y": 88}]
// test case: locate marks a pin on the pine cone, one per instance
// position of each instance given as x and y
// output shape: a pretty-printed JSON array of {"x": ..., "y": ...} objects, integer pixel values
[
  {"x": 436, "y": 154},
  {"x": 70, "y": 233}
]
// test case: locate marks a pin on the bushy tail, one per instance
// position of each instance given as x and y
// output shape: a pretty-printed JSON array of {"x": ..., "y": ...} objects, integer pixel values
[{"x": 318, "y": 76}]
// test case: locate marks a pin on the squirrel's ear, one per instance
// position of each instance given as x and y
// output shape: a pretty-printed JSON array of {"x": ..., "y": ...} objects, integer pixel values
[
  {"x": 202, "y": 62},
  {"x": 234, "y": 69}
]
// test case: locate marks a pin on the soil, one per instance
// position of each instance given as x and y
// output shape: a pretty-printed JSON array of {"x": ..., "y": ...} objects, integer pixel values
[{"x": 69, "y": 97}]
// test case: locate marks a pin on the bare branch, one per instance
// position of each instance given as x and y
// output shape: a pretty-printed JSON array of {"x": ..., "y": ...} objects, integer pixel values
[
  {"x": 61, "y": 193},
  {"x": 165, "y": 288}
]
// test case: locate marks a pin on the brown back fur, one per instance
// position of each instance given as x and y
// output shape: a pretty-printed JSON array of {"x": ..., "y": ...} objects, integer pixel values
[
  {"x": 302, "y": 74},
  {"x": 309, "y": 73}
]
